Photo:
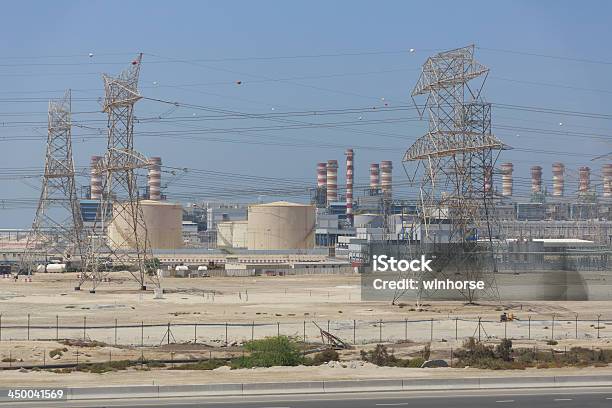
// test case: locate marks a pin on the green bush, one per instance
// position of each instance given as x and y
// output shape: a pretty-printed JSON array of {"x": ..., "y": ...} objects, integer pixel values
[
  {"x": 504, "y": 350},
  {"x": 269, "y": 352},
  {"x": 100, "y": 368},
  {"x": 382, "y": 357}
]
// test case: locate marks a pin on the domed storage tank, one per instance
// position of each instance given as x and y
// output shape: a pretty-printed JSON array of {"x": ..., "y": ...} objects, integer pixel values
[
  {"x": 164, "y": 226},
  {"x": 281, "y": 225}
]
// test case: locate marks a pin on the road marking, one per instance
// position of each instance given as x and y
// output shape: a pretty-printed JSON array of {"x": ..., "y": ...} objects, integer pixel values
[
  {"x": 563, "y": 399},
  {"x": 396, "y": 404},
  {"x": 505, "y": 401}
]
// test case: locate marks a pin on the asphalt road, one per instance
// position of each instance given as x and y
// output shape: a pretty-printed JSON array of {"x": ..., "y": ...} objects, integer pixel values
[{"x": 540, "y": 398}]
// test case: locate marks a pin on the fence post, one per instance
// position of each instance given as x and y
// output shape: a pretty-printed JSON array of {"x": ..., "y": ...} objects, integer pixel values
[
  {"x": 576, "y": 324},
  {"x": 168, "y": 333},
  {"x": 380, "y": 331},
  {"x": 598, "y": 318},
  {"x": 277, "y": 329},
  {"x": 44, "y": 358},
  {"x": 451, "y": 357},
  {"x": 195, "y": 333},
  {"x": 328, "y": 326},
  {"x": 431, "y": 331},
  {"x": 552, "y": 328},
  {"x": 0, "y": 326},
  {"x": 226, "y": 334},
  {"x": 253, "y": 330},
  {"x": 28, "y": 326},
  {"x": 84, "y": 327},
  {"x": 479, "y": 319},
  {"x": 115, "y": 332},
  {"x": 456, "y": 331},
  {"x": 354, "y": 331},
  {"x": 506, "y": 329},
  {"x": 304, "y": 331},
  {"x": 405, "y": 330},
  {"x": 529, "y": 328},
  {"x": 142, "y": 333},
  {"x": 56, "y": 327}
]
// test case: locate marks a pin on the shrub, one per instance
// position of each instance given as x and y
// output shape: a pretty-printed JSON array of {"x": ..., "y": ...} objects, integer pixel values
[
  {"x": 200, "y": 365},
  {"x": 100, "y": 368},
  {"x": 552, "y": 342},
  {"x": 504, "y": 350},
  {"x": 379, "y": 356},
  {"x": 426, "y": 352},
  {"x": 57, "y": 352},
  {"x": 325, "y": 357},
  {"x": 382, "y": 357},
  {"x": 271, "y": 351}
]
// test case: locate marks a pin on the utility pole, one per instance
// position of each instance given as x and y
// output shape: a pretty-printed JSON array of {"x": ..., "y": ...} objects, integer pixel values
[{"x": 57, "y": 229}]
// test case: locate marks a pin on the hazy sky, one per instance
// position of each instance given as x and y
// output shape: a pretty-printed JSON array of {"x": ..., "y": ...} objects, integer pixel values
[{"x": 326, "y": 56}]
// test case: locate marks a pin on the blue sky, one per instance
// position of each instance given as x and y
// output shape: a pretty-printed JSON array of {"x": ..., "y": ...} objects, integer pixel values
[{"x": 295, "y": 56}]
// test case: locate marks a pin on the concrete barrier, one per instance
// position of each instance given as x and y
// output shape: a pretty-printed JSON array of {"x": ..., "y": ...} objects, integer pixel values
[
  {"x": 517, "y": 382},
  {"x": 308, "y": 387},
  {"x": 137, "y": 391},
  {"x": 440, "y": 384},
  {"x": 363, "y": 385},
  {"x": 336, "y": 386},
  {"x": 200, "y": 389}
]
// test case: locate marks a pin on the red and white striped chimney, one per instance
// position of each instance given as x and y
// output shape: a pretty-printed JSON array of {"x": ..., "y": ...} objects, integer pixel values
[
  {"x": 96, "y": 179},
  {"x": 332, "y": 181},
  {"x": 506, "y": 170},
  {"x": 585, "y": 180},
  {"x": 374, "y": 178},
  {"x": 321, "y": 175},
  {"x": 155, "y": 178},
  {"x": 386, "y": 168},
  {"x": 558, "y": 179},
  {"x": 349, "y": 184},
  {"x": 607, "y": 180}
]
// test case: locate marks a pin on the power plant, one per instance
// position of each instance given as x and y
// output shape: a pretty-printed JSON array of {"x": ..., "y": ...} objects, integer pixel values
[{"x": 459, "y": 205}]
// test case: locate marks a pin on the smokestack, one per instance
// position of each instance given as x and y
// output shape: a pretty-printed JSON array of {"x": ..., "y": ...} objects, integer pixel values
[
  {"x": 96, "y": 179},
  {"x": 155, "y": 178},
  {"x": 585, "y": 180},
  {"x": 506, "y": 169},
  {"x": 557, "y": 170},
  {"x": 321, "y": 175},
  {"x": 386, "y": 168},
  {"x": 488, "y": 179},
  {"x": 374, "y": 178},
  {"x": 536, "y": 179},
  {"x": 349, "y": 184},
  {"x": 332, "y": 181},
  {"x": 607, "y": 180}
]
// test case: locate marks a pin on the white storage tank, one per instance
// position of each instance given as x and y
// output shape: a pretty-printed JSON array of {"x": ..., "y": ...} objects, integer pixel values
[
  {"x": 281, "y": 225},
  {"x": 164, "y": 226}
]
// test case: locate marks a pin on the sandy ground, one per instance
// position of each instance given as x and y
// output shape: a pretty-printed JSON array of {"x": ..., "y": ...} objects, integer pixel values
[
  {"x": 205, "y": 312},
  {"x": 266, "y": 306}
]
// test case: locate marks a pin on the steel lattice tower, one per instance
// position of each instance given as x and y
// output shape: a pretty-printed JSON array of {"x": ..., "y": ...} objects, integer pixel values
[
  {"x": 455, "y": 165},
  {"x": 120, "y": 202},
  {"x": 57, "y": 229}
]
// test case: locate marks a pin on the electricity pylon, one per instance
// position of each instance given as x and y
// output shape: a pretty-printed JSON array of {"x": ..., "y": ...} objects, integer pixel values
[
  {"x": 57, "y": 230},
  {"x": 455, "y": 162},
  {"x": 119, "y": 234}
]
